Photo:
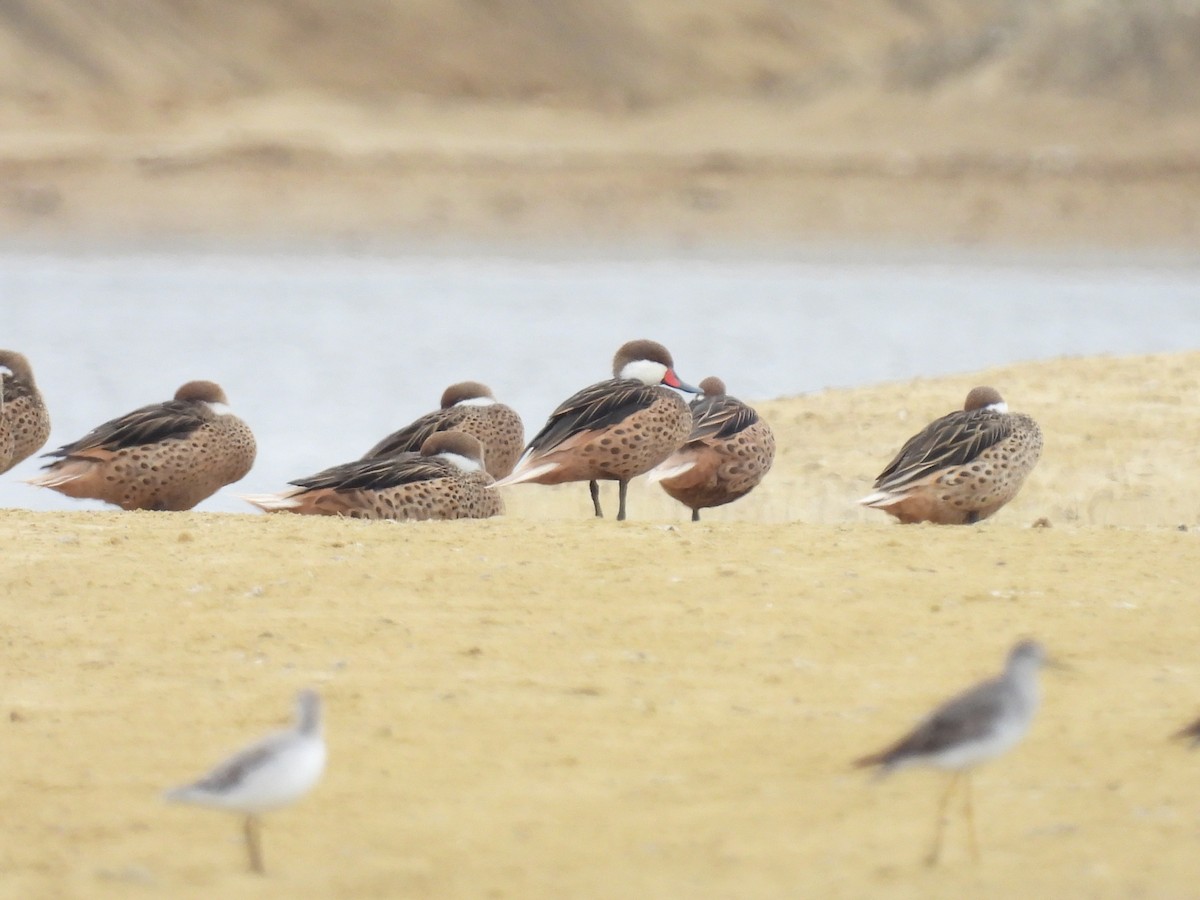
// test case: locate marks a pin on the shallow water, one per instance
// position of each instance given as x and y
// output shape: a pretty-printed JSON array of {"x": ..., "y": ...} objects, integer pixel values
[{"x": 324, "y": 354}]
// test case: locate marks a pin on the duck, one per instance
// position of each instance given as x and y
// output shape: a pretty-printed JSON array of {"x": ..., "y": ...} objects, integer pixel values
[
  {"x": 472, "y": 408},
  {"x": 445, "y": 480},
  {"x": 613, "y": 430},
  {"x": 962, "y": 468},
  {"x": 24, "y": 419},
  {"x": 165, "y": 456},
  {"x": 729, "y": 451}
]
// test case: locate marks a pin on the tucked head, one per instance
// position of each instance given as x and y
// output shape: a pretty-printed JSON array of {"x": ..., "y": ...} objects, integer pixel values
[
  {"x": 464, "y": 450},
  {"x": 985, "y": 398},
  {"x": 468, "y": 393},
  {"x": 650, "y": 363},
  {"x": 17, "y": 366},
  {"x": 712, "y": 386},
  {"x": 207, "y": 391}
]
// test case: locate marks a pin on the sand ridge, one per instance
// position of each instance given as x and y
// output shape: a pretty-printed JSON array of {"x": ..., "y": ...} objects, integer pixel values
[{"x": 545, "y": 705}]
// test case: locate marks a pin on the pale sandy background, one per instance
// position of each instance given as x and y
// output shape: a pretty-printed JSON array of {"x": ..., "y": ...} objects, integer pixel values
[
  {"x": 377, "y": 124},
  {"x": 546, "y": 705}
]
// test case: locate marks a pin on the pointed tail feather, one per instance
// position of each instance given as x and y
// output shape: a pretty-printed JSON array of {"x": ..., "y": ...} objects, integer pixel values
[
  {"x": 670, "y": 468},
  {"x": 520, "y": 474},
  {"x": 271, "y": 502},
  {"x": 880, "y": 499}
]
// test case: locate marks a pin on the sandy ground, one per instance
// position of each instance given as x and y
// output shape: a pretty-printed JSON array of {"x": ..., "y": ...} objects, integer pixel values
[
  {"x": 546, "y": 705},
  {"x": 293, "y": 170}
]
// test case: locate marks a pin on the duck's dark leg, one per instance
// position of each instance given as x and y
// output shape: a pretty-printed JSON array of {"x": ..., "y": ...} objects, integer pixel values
[
  {"x": 594, "y": 487},
  {"x": 695, "y": 515},
  {"x": 623, "y": 487}
]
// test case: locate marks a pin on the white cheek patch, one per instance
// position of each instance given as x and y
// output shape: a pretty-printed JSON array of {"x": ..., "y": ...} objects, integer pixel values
[
  {"x": 1000, "y": 407},
  {"x": 5, "y": 370},
  {"x": 462, "y": 462},
  {"x": 220, "y": 409},
  {"x": 645, "y": 371},
  {"x": 476, "y": 401}
]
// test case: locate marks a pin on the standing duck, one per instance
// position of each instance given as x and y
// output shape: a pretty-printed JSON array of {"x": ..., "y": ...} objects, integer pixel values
[
  {"x": 962, "y": 467},
  {"x": 614, "y": 430},
  {"x": 166, "y": 456},
  {"x": 727, "y": 454},
  {"x": 446, "y": 480},
  {"x": 469, "y": 407},
  {"x": 24, "y": 421}
]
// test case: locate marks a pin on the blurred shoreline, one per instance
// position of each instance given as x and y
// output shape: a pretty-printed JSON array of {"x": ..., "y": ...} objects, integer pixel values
[{"x": 675, "y": 126}]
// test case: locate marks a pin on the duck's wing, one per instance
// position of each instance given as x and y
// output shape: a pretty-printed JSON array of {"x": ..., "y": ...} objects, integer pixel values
[
  {"x": 377, "y": 474},
  {"x": 592, "y": 409},
  {"x": 953, "y": 440},
  {"x": 147, "y": 425},
  {"x": 410, "y": 438},
  {"x": 715, "y": 418}
]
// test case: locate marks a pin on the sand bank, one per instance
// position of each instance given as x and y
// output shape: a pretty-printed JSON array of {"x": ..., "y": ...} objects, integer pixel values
[{"x": 546, "y": 705}]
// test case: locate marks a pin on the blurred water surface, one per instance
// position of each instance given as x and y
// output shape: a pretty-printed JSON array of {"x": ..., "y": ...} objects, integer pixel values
[{"x": 325, "y": 354}]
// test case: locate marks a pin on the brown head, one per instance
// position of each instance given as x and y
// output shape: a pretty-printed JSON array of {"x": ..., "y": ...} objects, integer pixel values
[
  {"x": 17, "y": 364},
  {"x": 712, "y": 386},
  {"x": 464, "y": 392},
  {"x": 650, "y": 363},
  {"x": 208, "y": 391},
  {"x": 455, "y": 443},
  {"x": 984, "y": 396}
]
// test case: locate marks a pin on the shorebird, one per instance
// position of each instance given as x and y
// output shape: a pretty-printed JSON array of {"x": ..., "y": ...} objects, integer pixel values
[
  {"x": 961, "y": 468},
  {"x": 614, "y": 430},
  {"x": 973, "y": 727},
  {"x": 469, "y": 407},
  {"x": 165, "y": 456},
  {"x": 446, "y": 480},
  {"x": 24, "y": 421},
  {"x": 727, "y": 454},
  {"x": 272, "y": 773}
]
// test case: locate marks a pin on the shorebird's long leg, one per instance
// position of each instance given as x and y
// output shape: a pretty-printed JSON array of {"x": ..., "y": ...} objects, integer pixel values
[
  {"x": 594, "y": 487},
  {"x": 623, "y": 487},
  {"x": 970, "y": 808},
  {"x": 253, "y": 847},
  {"x": 935, "y": 851},
  {"x": 695, "y": 515}
]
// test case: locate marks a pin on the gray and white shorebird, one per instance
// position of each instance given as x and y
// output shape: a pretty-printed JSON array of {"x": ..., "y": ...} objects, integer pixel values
[
  {"x": 269, "y": 774},
  {"x": 961, "y": 468},
  {"x": 979, "y": 724}
]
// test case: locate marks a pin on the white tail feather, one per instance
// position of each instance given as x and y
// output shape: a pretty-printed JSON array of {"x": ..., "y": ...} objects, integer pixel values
[
  {"x": 271, "y": 502},
  {"x": 881, "y": 499},
  {"x": 529, "y": 474},
  {"x": 667, "y": 469},
  {"x": 54, "y": 478}
]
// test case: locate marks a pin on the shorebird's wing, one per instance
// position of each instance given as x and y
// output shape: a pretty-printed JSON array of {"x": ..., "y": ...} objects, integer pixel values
[
  {"x": 377, "y": 474},
  {"x": 953, "y": 440},
  {"x": 592, "y": 409},
  {"x": 962, "y": 720},
  {"x": 410, "y": 438},
  {"x": 719, "y": 417},
  {"x": 147, "y": 425},
  {"x": 228, "y": 775}
]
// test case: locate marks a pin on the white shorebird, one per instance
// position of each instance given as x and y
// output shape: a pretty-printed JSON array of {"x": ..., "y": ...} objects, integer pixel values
[
  {"x": 977, "y": 725},
  {"x": 269, "y": 774}
]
